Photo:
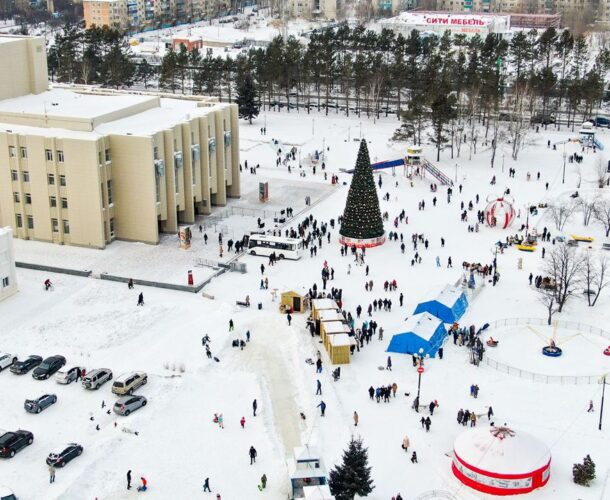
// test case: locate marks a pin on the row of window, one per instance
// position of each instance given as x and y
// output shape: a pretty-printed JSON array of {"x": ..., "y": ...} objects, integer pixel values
[
  {"x": 23, "y": 152},
  {"x": 52, "y": 200},
  {"x": 54, "y": 223},
  {"x": 5, "y": 282},
  {"x": 25, "y": 175}
]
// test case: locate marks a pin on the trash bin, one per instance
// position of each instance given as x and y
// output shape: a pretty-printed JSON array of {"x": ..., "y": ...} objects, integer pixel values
[{"x": 260, "y": 305}]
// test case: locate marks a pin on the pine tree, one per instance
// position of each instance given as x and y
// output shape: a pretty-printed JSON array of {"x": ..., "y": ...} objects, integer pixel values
[
  {"x": 362, "y": 217},
  {"x": 353, "y": 477},
  {"x": 584, "y": 473},
  {"x": 246, "y": 99}
]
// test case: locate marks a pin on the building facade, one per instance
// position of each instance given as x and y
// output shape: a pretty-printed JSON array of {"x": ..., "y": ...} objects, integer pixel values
[
  {"x": 87, "y": 166},
  {"x": 8, "y": 276}
]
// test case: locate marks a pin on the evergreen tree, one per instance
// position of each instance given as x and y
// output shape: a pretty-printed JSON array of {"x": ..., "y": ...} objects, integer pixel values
[
  {"x": 246, "y": 99},
  {"x": 168, "y": 77},
  {"x": 362, "y": 217},
  {"x": 353, "y": 477},
  {"x": 584, "y": 473}
]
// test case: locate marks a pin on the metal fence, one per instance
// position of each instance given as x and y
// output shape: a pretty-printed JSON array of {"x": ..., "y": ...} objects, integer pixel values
[{"x": 540, "y": 377}]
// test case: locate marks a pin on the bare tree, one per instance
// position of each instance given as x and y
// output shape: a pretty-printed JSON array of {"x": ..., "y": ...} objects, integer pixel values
[
  {"x": 563, "y": 266},
  {"x": 587, "y": 207},
  {"x": 601, "y": 173},
  {"x": 546, "y": 296},
  {"x": 602, "y": 214},
  {"x": 498, "y": 134},
  {"x": 560, "y": 213},
  {"x": 595, "y": 274},
  {"x": 518, "y": 125}
]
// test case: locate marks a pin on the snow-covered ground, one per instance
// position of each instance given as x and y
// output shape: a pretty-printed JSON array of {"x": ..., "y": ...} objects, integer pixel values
[{"x": 97, "y": 324}]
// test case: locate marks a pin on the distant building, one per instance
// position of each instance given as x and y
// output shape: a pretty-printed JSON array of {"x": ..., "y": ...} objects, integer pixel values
[
  {"x": 8, "y": 276},
  {"x": 439, "y": 22},
  {"x": 312, "y": 9},
  {"x": 86, "y": 166}
]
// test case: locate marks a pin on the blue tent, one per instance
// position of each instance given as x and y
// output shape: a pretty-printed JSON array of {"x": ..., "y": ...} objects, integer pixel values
[
  {"x": 449, "y": 305},
  {"x": 423, "y": 331}
]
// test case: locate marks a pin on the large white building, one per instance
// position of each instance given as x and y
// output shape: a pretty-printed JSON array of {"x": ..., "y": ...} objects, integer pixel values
[{"x": 8, "y": 276}]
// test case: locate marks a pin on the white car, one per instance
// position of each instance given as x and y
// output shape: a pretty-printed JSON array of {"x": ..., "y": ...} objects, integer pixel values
[
  {"x": 6, "y": 360},
  {"x": 67, "y": 376}
]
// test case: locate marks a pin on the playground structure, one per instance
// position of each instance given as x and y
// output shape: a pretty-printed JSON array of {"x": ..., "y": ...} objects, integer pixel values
[
  {"x": 500, "y": 211},
  {"x": 586, "y": 137},
  {"x": 413, "y": 163}
]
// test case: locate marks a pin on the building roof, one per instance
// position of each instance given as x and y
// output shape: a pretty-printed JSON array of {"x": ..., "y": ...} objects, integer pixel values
[
  {"x": 60, "y": 133},
  {"x": 340, "y": 339},
  {"x": 306, "y": 453},
  {"x": 319, "y": 492},
  {"x": 424, "y": 325},
  {"x": 333, "y": 327},
  {"x": 324, "y": 304},
  {"x": 331, "y": 315},
  {"x": 66, "y": 103},
  {"x": 449, "y": 296},
  {"x": 501, "y": 450}
]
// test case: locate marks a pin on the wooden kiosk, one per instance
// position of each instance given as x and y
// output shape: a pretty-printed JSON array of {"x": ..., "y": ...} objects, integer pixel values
[
  {"x": 339, "y": 348},
  {"x": 293, "y": 301}
]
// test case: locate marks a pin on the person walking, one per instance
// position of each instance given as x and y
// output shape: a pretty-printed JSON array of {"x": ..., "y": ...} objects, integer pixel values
[
  {"x": 254, "y": 407},
  {"x": 289, "y": 318},
  {"x": 129, "y": 479},
  {"x": 356, "y": 419},
  {"x": 322, "y": 407},
  {"x": 263, "y": 481},
  {"x": 206, "y": 485},
  {"x": 414, "y": 458},
  {"x": 490, "y": 413},
  {"x": 242, "y": 422},
  {"x": 252, "y": 454},
  {"x": 141, "y": 299},
  {"x": 389, "y": 364},
  {"x": 51, "y": 474},
  {"x": 319, "y": 388},
  {"x": 428, "y": 423},
  {"x": 231, "y": 325},
  {"x": 590, "y": 409},
  {"x": 406, "y": 443},
  {"x": 130, "y": 284}
]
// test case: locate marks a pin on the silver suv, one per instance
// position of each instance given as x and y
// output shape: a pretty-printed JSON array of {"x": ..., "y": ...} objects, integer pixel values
[{"x": 96, "y": 378}]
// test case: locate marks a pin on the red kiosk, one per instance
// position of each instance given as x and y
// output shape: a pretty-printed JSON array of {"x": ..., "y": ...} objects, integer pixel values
[{"x": 501, "y": 461}]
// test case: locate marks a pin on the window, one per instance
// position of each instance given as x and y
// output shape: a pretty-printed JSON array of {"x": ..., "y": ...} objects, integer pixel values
[
  {"x": 49, "y": 154},
  {"x": 30, "y": 222},
  {"x": 107, "y": 154},
  {"x": 111, "y": 228},
  {"x": 14, "y": 175},
  {"x": 99, "y": 157},
  {"x": 26, "y": 176},
  {"x": 64, "y": 203},
  {"x": 11, "y": 151},
  {"x": 51, "y": 179},
  {"x": 5, "y": 282},
  {"x": 18, "y": 220},
  {"x": 24, "y": 152},
  {"x": 62, "y": 180},
  {"x": 156, "y": 153},
  {"x": 109, "y": 186},
  {"x": 158, "y": 188},
  {"x": 55, "y": 225},
  {"x": 28, "y": 198},
  {"x": 52, "y": 201},
  {"x": 16, "y": 197},
  {"x": 60, "y": 156},
  {"x": 66, "y": 225},
  {"x": 176, "y": 178}
]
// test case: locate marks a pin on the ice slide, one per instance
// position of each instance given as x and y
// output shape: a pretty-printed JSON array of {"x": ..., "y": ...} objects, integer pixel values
[
  {"x": 435, "y": 172},
  {"x": 598, "y": 144}
]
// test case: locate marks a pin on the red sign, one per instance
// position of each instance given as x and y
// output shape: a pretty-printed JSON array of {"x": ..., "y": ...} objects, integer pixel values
[{"x": 420, "y": 369}]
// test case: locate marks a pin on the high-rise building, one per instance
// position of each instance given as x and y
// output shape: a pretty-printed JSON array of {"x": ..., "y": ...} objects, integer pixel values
[
  {"x": 86, "y": 166},
  {"x": 8, "y": 276}
]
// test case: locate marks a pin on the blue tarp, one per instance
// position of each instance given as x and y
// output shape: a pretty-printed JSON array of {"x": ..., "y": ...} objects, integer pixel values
[
  {"x": 449, "y": 305},
  {"x": 423, "y": 331}
]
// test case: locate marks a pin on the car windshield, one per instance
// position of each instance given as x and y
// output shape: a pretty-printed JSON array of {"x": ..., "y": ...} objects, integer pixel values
[
  {"x": 45, "y": 365},
  {"x": 6, "y": 438}
]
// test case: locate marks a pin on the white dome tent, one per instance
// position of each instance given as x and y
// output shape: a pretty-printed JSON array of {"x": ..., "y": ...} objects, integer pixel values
[{"x": 501, "y": 461}]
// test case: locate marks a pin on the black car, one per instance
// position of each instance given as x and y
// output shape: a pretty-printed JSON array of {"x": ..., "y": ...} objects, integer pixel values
[
  {"x": 48, "y": 367},
  {"x": 68, "y": 453},
  {"x": 22, "y": 367},
  {"x": 12, "y": 442}
]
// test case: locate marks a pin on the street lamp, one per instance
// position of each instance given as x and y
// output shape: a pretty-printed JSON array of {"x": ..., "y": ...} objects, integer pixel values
[
  {"x": 601, "y": 409},
  {"x": 563, "y": 178},
  {"x": 456, "y": 166},
  {"x": 420, "y": 370}
]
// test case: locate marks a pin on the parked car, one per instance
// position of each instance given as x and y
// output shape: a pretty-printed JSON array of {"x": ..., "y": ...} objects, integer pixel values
[
  {"x": 7, "y": 360},
  {"x": 543, "y": 119},
  {"x": 12, "y": 442},
  {"x": 68, "y": 453},
  {"x": 96, "y": 378},
  {"x": 22, "y": 367},
  {"x": 37, "y": 405},
  {"x": 67, "y": 376},
  {"x": 48, "y": 367},
  {"x": 129, "y": 382},
  {"x": 7, "y": 493},
  {"x": 128, "y": 404},
  {"x": 601, "y": 121}
]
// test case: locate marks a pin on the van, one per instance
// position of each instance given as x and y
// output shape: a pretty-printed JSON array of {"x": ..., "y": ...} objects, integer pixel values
[
  {"x": 96, "y": 378},
  {"x": 129, "y": 382}
]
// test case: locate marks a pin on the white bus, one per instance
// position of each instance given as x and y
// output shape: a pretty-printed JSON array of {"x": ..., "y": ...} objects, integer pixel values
[{"x": 284, "y": 248}]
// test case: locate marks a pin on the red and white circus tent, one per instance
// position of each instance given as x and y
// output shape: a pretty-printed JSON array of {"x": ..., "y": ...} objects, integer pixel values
[
  {"x": 500, "y": 212},
  {"x": 501, "y": 461}
]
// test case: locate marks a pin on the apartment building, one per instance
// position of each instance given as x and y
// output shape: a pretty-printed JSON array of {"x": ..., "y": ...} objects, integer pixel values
[
  {"x": 8, "y": 276},
  {"x": 312, "y": 9},
  {"x": 138, "y": 14},
  {"x": 111, "y": 13},
  {"x": 87, "y": 166}
]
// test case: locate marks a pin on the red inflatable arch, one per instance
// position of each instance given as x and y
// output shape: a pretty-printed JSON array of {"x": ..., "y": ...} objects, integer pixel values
[{"x": 500, "y": 211}]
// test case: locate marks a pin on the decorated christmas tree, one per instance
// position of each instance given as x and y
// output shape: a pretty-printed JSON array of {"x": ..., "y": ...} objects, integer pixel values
[
  {"x": 362, "y": 217},
  {"x": 353, "y": 477}
]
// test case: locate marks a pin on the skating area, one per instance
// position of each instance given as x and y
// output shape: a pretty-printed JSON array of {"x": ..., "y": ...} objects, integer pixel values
[{"x": 175, "y": 442}]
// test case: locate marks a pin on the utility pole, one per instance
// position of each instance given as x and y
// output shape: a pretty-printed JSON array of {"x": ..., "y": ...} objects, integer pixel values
[
  {"x": 601, "y": 408},
  {"x": 563, "y": 179}
]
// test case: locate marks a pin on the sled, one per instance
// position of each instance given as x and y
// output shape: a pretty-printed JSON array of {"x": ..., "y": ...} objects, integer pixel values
[
  {"x": 492, "y": 343},
  {"x": 586, "y": 239},
  {"x": 526, "y": 248}
]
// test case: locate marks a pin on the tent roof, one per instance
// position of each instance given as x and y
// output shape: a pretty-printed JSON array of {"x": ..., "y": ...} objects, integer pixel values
[
  {"x": 423, "y": 325},
  {"x": 324, "y": 304},
  {"x": 331, "y": 327},
  {"x": 331, "y": 315},
  {"x": 320, "y": 492},
  {"x": 305, "y": 453},
  {"x": 449, "y": 296},
  {"x": 339, "y": 339},
  {"x": 291, "y": 293},
  {"x": 501, "y": 450}
]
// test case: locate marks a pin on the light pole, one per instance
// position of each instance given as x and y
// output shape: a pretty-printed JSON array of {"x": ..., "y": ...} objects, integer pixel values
[
  {"x": 456, "y": 166},
  {"x": 563, "y": 178},
  {"x": 601, "y": 409},
  {"x": 420, "y": 370}
]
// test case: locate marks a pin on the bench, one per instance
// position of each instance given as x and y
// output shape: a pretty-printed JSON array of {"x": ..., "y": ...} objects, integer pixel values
[{"x": 605, "y": 246}]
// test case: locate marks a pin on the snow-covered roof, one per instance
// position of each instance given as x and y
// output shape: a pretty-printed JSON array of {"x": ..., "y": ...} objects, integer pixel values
[
  {"x": 423, "y": 325},
  {"x": 330, "y": 315},
  {"x": 340, "y": 339},
  {"x": 65, "y": 103},
  {"x": 306, "y": 453},
  {"x": 319, "y": 492},
  {"x": 501, "y": 451},
  {"x": 334, "y": 327},
  {"x": 60, "y": 133},
  {"x": 449, "y": 296},
  {"x": 324, "y": 304}
]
